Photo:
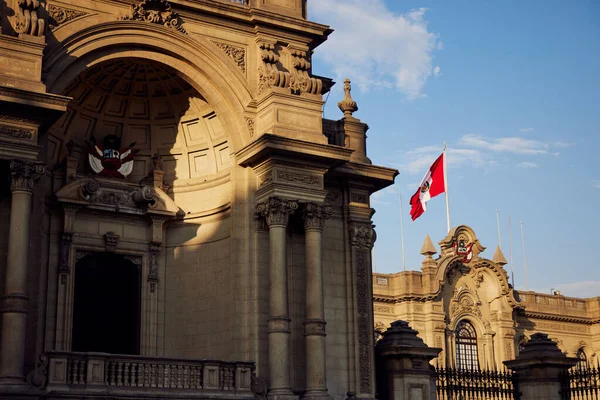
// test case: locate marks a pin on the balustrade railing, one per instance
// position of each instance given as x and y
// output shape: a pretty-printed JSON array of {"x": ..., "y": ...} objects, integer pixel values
[{"x": 113, "y": 373}]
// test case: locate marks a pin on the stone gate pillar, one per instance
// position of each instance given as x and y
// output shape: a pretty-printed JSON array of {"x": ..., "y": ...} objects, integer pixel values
[
  {"x": 14, "y": 301},
  {"x": 539, "y": 368},
  {"x": 277, "y": 211}
]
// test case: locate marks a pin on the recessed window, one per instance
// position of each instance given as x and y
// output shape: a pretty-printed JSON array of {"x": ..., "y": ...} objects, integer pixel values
[
  {"x": 466, "y": 346},
  {"x": 581, "y": 360}
]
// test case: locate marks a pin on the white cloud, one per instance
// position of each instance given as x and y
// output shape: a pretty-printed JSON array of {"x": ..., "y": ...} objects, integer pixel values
[
  {"x": 596, "y": 184},
  {"x": 527, "y": 164},
  {"x": 377, "y": 48},
  {"x": 526, "y": 130},
  {"x": 418, "y": 160},
  {"x": 514, "y": 145}
]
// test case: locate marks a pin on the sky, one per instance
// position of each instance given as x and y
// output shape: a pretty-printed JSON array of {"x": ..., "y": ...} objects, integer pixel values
[{"x": 512, "y": 87}]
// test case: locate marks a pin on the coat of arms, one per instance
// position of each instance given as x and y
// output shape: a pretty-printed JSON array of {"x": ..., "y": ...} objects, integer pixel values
[
  {"x": 109, "y": 159},
  {"x": 463, "y": 249}
]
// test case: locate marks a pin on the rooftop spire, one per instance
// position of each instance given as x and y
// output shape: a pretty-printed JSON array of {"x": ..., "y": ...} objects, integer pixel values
[
  {"x": 347, "y": 105},
  {"x": 499, "y": 257},
  {"x": 428, "y": 248}
]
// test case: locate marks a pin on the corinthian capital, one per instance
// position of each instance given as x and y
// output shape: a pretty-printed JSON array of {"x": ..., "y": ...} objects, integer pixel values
[
  {"x": 25, "y": 174},
  {"x": 363, "y": 235},
  {"x": 276, "y": 210},
  {"x": 315, "y": 216}
]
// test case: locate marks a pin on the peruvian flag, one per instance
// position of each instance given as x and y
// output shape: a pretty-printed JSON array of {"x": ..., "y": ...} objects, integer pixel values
[{"x": 431, "y": 185}]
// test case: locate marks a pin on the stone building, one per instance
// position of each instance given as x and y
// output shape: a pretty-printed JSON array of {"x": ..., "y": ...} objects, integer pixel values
[
  {"x": 169, "y": 194},
  {"x": 464, "y": 304}
]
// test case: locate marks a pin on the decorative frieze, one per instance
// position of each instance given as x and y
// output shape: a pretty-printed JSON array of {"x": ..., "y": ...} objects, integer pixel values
[
  {"x": 276, "y": 210},
  {"x": 237, "y": 54},
  {"x": 17, "y": 132},
  {"x": 309, "y": 180},
  {"x": 315, "y": 216},
  {"x": 25, "y": 174},
  {"x": 363, "y": 235},
  {"x": 60, "y": 15},
  {"x": 382, "y": 309},
  {"x": 156, "y": 12}
]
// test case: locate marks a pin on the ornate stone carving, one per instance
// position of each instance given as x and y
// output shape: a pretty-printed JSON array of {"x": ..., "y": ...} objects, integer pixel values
[
  {"x": 300, "y": 80},
  {"x": 276, "y": 210},
  {"x": 465, "y": 306},
  {"x": 363, "y": 235},
  {"x": 25, "y": 174},
  {"x": 65, "y": 249},
  {"x": 250, "y": 123},
  {"x": 111, "y": 241},
  {"x": 153, "y": 271},
  {"x": 237, "y": 54},
  {"x": 268, "y": 73},
  {"x": 347, "y": 105},
  {"x": 333, "y": 197},
  {"x": 156, "y": 12},
  {"x": 259, "y": 387},
  {"x": 310, "y": 180},
  {"x": 364, "y": 330},
  {"x": 16, "y": 132},
  {"x": 28, "y": 21},
  {"x": 60, "y": 15},
  {"x": 359, "y": 198},
  {"x": 315, "y": 216},
  {"x": 382, "y": 309},
  {"x": 38, "y": 377}
]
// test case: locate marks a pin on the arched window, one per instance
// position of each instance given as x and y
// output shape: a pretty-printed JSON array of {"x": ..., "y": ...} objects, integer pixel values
[
  {"x": 581, "y": 360},
  {"x": 466, "y": 346}
]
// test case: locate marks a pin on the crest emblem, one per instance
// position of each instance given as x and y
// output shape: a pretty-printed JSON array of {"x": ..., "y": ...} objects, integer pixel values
[
  {"x": 425, "y": 187},
  {"x": 109, "y": 159},
  {"x": 461, "y": 248}
]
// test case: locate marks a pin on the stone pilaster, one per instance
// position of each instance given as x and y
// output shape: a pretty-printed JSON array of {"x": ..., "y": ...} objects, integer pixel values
[
  {"x": 362, "y": 236},
  {"x": 276, "y": 211},
  {"x": 14, "y": 300},
  {"x": 314, "y": 324}
]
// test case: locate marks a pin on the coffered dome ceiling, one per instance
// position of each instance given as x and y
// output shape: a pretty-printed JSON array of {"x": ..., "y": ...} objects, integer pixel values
[{"x": 148, "y": 103}]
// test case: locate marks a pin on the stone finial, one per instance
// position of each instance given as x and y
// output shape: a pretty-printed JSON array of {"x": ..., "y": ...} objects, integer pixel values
[
  {"x": 428, "y": 248},
  {"x": 499, "y": 257},
  {"x": 347, "y": 105}
]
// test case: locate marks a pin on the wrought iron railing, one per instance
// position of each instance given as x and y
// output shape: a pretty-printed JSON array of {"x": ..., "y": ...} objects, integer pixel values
[
  {"x": 70, "y": 371},
  {"x": 581, "y": 384},
  {"x": 457, "y": 384}
]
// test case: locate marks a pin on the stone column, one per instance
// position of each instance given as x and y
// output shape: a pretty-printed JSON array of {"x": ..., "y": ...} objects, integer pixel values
[
  {"x": 14, "y": 300},
  {"x": 277, "y": 211},
  {"x": 540, "y": 369},
  {"x": 403, "y": 369},
  {"x": 314, "y": 324}
]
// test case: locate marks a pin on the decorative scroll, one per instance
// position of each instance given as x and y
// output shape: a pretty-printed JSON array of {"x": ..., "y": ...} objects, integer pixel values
[
  {"x": 268, "y": 74},
  {"x": 59, "y": 15},
  {"x": 156, "y": 12},
  {"x": 28, "y": 21},
  {"x": 300, "y": 80}
]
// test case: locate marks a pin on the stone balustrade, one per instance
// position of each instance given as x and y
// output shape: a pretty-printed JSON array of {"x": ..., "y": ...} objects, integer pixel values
[{"x": 70, "y": 372}]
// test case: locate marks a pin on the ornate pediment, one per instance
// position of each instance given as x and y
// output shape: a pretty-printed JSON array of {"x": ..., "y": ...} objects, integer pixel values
[{"x": 111, "y": 195}]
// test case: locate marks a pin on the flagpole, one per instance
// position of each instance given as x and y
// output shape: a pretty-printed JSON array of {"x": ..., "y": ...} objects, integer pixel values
[
  {"x": 446, "y": 190},
  {"x": 402, "y": 235},
  {"x": 373, "y": 259},
  {"x": 524, "y": 258},
  {"x": 498, "y": 223},
  {"x": 512, "y": 266}
]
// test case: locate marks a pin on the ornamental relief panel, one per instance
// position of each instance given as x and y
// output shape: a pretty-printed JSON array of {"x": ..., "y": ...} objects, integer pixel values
[{"x": 61, "y": 15}]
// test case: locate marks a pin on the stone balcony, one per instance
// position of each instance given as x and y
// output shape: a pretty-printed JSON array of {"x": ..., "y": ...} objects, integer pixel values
[{"x": 77, "y": 375}]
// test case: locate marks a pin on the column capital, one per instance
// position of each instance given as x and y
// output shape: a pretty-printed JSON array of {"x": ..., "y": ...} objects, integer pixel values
[
  {"x": 276, "y": 210},
  {"x": 315, "y": 215},
  {"x": 363, "y": 235},
  {"x": 25, "y": 174}
]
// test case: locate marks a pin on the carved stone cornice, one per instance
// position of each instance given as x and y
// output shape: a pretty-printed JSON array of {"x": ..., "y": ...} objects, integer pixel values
[
  {"x": 25, "y": 175},
  {"x": 157, "y": 12},
  {"x": 276, "y": 210},
  {"x": 363, "y": 235},
  {"x": 315, "y": 215}
]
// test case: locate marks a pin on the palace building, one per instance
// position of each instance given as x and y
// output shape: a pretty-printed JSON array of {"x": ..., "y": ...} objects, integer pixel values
[
  {"x": 177, "y": 218},
  {"x": 464, "y": 304}
]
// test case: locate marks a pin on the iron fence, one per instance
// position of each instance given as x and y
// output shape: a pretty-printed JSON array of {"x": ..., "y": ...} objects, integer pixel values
[
  {"x": 460, "y": 384},
  {"x": 581, "y": 383}
]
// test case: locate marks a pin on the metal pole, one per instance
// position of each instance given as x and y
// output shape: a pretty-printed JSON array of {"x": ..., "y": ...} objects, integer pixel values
[
  {"x": 498, "y": 223},
  {"x": 402, "y": 235},
  {"x": 446, "y": 190},
  {"x": 524, "y": 257},
  {"x": 512, "y": 266}
]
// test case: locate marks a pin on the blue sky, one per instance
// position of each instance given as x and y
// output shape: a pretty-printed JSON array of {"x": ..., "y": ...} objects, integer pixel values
[{"x": 513, "y": 89}]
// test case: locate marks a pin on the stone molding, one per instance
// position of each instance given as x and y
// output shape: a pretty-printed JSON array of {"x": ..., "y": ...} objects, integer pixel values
[
  {"x": 279, "y": 324},
  {"x": 315, "y": 215},
  {"x": 363, "y": 235},
  {"x": 156, "y": 12},
  {"x": 25, "y": 175},
  {"x": 276, "y": 211},
  {"x": 14, "y": 303},
  {"x": 314, "y": 327}
]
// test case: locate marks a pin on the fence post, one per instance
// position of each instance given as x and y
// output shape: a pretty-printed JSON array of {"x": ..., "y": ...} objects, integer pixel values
[
  {"x": 402, "y": 365},
  {"x": 540, "y": 368}
]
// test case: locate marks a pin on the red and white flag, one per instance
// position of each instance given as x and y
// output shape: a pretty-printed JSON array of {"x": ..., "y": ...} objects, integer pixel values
[{"x": 431, "y": 185}]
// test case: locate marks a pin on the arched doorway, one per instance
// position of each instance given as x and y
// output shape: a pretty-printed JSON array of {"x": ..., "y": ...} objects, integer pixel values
[{"x": 106, "y": 312}]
